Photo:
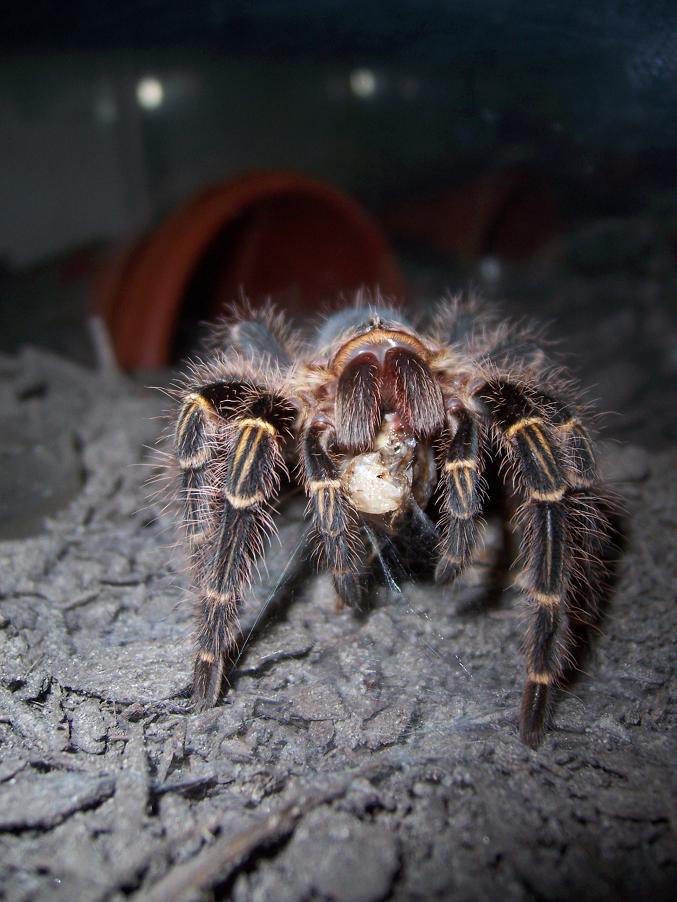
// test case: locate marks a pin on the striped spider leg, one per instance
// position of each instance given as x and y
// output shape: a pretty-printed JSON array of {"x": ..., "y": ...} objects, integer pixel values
[
  {"x": 553, "y": 460},
  {"x": 461, "y": 492},
  {"x": 229, "y": 441},
  {"x": 231, "y": 460}
]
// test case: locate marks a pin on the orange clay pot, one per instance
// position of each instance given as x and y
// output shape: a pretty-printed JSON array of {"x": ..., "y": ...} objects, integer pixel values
[{"x": 277, "y": 234}]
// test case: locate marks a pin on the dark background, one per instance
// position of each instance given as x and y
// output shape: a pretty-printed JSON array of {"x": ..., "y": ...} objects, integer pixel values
[{"x": 583, "y": 93}]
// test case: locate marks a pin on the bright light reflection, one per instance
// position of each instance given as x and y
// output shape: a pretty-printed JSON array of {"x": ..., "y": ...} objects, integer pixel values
[
  {"x": 363, "y": 83},
  {"x": 150, "y": 93}
]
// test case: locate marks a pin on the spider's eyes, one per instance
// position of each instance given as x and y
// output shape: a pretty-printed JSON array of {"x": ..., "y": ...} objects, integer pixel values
[{"x": 366, "y": 328}]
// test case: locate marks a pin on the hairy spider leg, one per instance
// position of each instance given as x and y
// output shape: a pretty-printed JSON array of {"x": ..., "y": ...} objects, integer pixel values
[
  {"x": 252, "y": 461},
  {"x": 580, "y": 457},
  {"x": 196, "y": 442},
  {"x": 590, "y": 511},
  {"x": 527, "y": 437},
  {"x": 334, "y": 517},
  {"x": 460, "y": 488}
]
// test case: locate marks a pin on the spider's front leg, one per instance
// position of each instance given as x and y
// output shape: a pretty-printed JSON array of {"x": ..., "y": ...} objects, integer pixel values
[
  {"x": 232, "y": 483},
  {"x": 197, "y": 446},
  {"x": 334, "y": 517},
  {"x": 527, "y": 437}
]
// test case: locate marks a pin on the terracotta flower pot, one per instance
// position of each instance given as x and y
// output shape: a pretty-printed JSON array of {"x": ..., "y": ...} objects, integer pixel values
[{"x": 276, "y": 234}]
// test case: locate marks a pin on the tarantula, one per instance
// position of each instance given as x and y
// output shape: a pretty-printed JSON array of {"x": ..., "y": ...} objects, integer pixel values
[{"x": 384, "y": 420}]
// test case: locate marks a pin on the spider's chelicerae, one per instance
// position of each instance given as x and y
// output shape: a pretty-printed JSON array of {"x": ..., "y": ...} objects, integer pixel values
[{"x": 387, "y": 423}]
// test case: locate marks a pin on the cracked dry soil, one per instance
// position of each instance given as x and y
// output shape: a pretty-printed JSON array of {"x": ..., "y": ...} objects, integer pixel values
[{"x": 354, "y": 758}]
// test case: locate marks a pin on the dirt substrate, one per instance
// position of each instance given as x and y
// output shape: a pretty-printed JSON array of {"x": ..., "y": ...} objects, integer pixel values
[{"x": 354, "y": 758}]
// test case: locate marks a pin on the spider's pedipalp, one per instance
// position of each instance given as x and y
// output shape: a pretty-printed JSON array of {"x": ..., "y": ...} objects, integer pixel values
[
  {"x": 334, "y": 517},
  {"x": 460, "y": 485}
]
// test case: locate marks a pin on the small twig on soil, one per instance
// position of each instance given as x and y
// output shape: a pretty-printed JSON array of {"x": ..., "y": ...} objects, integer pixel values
[{"x": 216, "y": 862}]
